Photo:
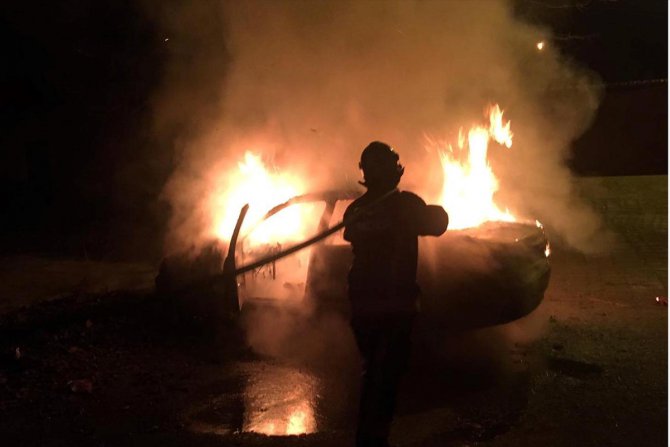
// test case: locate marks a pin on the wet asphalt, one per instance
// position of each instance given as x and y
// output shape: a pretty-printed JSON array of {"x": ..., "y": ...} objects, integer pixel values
[{"x": 588, "y": 367}]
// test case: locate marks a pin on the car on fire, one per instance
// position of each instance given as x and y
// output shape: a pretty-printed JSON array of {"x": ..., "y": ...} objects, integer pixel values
[{"x": 472, "y": 278}]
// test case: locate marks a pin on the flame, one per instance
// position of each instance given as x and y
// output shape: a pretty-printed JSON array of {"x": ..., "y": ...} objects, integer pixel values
[
  {"x": 469, "y": 186},
  {"x": 547, "y": 247},
  {"x": 540, "y": 45},
  {"x": 467, "y": 192},
  {"x": 262, "y": 189},
  {"x": 499, "y": 131}
]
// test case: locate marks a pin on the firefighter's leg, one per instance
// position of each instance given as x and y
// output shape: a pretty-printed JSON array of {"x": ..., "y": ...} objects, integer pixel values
[
  {"x": 368, "y": 335},
  {"x": 394, "y": 351}
]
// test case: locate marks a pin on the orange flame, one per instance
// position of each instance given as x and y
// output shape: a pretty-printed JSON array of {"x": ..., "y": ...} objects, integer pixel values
[
  {"x": 262, "y": 189},
  {"x": 467, "y": 193},
  {"x": 469, "y": 186}
]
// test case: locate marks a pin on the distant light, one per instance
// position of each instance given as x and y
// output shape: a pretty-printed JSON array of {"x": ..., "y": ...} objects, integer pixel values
[
  {"x": 540, "y": 45},
  {"x": 166, "y": 39}
]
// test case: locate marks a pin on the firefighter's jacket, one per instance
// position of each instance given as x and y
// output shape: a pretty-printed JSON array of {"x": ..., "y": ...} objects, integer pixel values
[{"x": 384, "y": 238}]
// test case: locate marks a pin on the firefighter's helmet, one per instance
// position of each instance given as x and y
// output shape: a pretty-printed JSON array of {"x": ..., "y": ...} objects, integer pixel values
[{"x": 380, "y": 165}]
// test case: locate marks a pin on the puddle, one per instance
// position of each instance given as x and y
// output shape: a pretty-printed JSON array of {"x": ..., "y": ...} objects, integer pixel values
[
  {"x": 266, "y": 398},
  {"x": 279, "y": 401}
]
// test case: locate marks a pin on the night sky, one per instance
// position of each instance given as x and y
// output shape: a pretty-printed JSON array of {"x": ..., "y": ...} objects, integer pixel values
[
  {"x": 81, "y": 169},
  {"x": 622, "y": 40}
]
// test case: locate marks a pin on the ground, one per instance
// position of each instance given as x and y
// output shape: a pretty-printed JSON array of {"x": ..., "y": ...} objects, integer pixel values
[{"x": 96, "y": 361}]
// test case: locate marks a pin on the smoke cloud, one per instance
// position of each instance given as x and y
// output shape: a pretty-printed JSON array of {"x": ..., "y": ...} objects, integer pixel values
[{"x": 308, "y": 84}]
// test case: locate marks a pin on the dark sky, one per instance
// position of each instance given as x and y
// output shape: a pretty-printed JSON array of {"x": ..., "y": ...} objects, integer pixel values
[
  {"x": 625, "y": 42},
  {"x": 77, "y": 83},
  {"x": 622, "y": 40}
]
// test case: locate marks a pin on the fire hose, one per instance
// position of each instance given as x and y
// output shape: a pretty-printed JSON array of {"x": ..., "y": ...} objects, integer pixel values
[{"x": 230, "y": 271}]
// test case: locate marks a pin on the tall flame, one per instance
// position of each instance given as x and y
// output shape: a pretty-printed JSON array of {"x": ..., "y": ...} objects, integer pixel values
[
  {"x": 262, "y": 189},
  {"x": 469, "y": 186},
  {"x": 467, "y": 193}
]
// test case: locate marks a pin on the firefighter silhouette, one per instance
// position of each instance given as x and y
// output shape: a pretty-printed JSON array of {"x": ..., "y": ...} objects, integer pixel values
[{"x": 382, "y": 283}]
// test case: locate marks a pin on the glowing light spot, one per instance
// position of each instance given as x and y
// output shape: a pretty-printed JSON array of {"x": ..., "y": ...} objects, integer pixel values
[{"x": 540, "y": 45}]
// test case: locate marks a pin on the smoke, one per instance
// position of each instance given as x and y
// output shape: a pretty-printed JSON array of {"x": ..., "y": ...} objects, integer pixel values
[{"x": 308, "y": 84}]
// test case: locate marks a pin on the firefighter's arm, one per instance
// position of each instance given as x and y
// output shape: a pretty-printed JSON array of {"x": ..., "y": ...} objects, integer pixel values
[
  {"x": 429, "y": 220},
  {"x": 349, "y": 230},
  {"x": 434, "y": 222}
]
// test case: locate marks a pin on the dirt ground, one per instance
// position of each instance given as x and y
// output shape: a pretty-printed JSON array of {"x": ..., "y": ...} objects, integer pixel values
[{"x": 106, "y": 366}]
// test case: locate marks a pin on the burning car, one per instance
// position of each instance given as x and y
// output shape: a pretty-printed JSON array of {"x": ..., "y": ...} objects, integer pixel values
[
  {"x": 490, "y": 268},
  {"x": 476, "y": 277},
  {"x": 486, "y": 275}
]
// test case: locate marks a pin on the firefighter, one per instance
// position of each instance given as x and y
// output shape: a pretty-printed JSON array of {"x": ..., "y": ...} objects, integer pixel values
[{"x": 382, "y": 283}]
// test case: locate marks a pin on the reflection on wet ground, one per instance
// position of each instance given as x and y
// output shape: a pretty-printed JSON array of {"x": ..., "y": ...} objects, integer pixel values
[
  {"x": 280, "y": 400},
  {"x": 275, "y": 398},
  {"x": 265, "y": 398},
  {"x": 470, "y": 387}
]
